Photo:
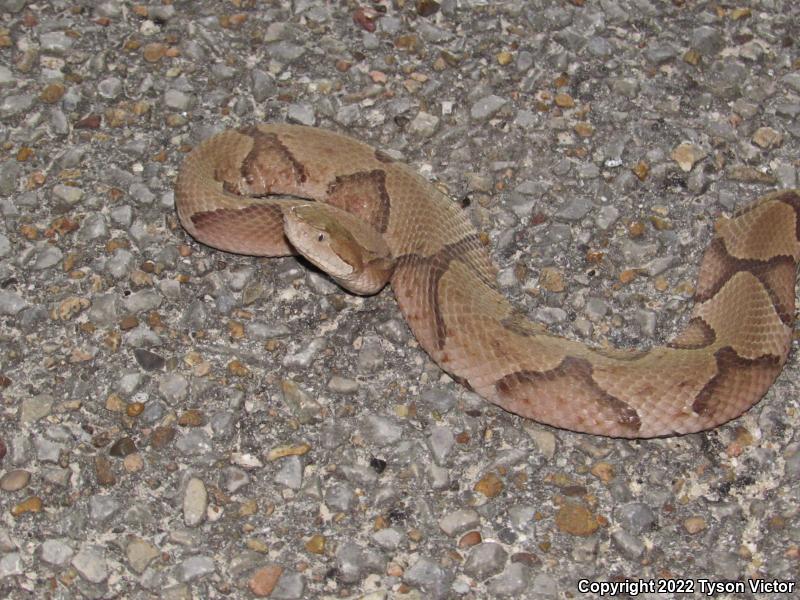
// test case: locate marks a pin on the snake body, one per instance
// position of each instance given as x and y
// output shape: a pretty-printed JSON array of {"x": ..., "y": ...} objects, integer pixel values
[{"x": 733, "y": 347}]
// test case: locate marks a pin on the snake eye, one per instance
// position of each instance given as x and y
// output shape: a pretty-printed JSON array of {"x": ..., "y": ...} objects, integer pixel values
[{"x": 321, "y": 237}]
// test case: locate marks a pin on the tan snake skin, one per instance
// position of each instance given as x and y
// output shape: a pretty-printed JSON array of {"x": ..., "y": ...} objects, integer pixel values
[{"x": 733, "y": 347}]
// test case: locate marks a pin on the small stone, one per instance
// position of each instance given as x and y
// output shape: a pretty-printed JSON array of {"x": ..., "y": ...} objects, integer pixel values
[
  {"x": 195, "y": 502},
  {"x": 694, "y": 525},
  {"x": 430, "y": 577},
  {"x": 140, "y": 554},
  {"x": 382, "y": 431},
  {"x": 576, "y": 519},
  {"x": 302, "y": 114},
  {"x": 149, "y": 361},
  {"x": 485, "y": 559},
  {"x": 687, "y": 155},
  {"x": 36, "y": 408},
  {"x": 766, "y": 137},
  {"x": 195, "y": 567},
  {"x": 459, "y": 521},
  {"x": 490, "y": 485},
  {"x": 91, "y": 564},
  {"x": 10, "y": 565},
  {"x": 104, "y": 471},
  {"x": 14, "y": 480},
  {"x": 56, "y": 552},
  {"x": 122, "y": 447},
  {"x": 487, "y": 107},
  {"x": 264, "y": 580},
  {"x": 192, "y": 418},
  {"x": 32, "y": 504},
  {"x": 424, "y": 124},
  {"x": 512, "y": 582},
  {"x": 316, "y": 544},
  {"x": 472, "y": 538},
  {"x": 551, "y": 280}
]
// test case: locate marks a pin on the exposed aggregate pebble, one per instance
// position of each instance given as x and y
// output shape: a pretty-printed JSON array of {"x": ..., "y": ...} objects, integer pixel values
[{"x": 183, "y": 423}]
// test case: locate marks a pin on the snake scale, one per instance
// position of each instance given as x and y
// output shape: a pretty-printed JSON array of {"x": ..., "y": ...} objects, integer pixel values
[{"x": 239, "y": 191}]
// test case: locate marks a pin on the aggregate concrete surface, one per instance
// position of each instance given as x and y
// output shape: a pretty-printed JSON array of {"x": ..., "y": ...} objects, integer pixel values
[{"x": 182, "y": 423}]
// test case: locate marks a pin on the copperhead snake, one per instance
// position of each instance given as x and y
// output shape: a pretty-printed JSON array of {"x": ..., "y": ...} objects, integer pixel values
[{"x": 373, "y": 219}]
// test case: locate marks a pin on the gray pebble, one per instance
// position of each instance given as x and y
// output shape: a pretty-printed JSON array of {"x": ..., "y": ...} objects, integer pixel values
[
  {"x": 485, "y": 559},
  {"x": 340, "y": 497},
  {"x": 195, "y": 567},
  {"x": 110, "y": 87},
  {"x": 606, "y": 217},
  {"x": 173, "y": 387},
  {"x": 235, "y": 479},
  {"x": 142, "y": 301},
  {"x": 302, "y": 358},
  {"x": 388, "y": 538},
  {"x": 36, "y": 407},
  {"x": 343, "y": 385},
  {"x": 291, "y": 585},
  {"x": 140, "y": 554},
  {"x": 120, "y": 263},
  {"x": 56, "y": 42},
  {"x": 11, "y": 303},
  {"x": 195, "y": 502},
  {"x": 142, "y": 194},
  {"x": 47, "y": 256},
  {"x": 102, "y": 507},
  {"x": 441, "y": 441},
  {"x": 291, "y": 473},
  {"x": 286, "y": 52},
  {"x": 629, "y": 545},
  {"x": 93, "y": 227},
  {"x": 263, "y": 85},
  {"x": 56, "y": 552},
  {"x": 487, "y": 107},
  {"x": 48, "y": 451},
  {"x": 381, "y": 431},
  {"x": 178, "y": 100},
  {"x": 430, "y": 577},
  {"x": 195, "y": 442},
  {"x": 14, "y": 480},
  {"x": 660, "y": 52},
  {"x": 596, "y": 309},
  {"x": 16, "y": 104},
  {"x": 302, "y": 114},
  {"x": 424, "y": 125},
  {"x": 90, "y": 562},
  {"x": 459, "y": 521},
  {"x": 635, "y": 517},
  {"x": 122, "y": 215},
  {"x": 371, "y": 355},
  {"x": 350, "y": 561},
  {"x": 11, "y": 564},
  {"x": 68, "y": 193},
  {"x": 513, "y": 581},
  {"x": 544, "y": 586},
  {"x": 6, "y": 76},
  {"x": 10, "y": 171},
  {"x": 707, "y": 40}
]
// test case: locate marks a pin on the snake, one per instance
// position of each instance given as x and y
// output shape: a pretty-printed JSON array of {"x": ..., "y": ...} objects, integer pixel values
[{"x": 367, "y": 219}]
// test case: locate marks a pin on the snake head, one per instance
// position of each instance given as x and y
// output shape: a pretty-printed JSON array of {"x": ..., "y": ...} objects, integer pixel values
[{"x": 348, "y": 249}]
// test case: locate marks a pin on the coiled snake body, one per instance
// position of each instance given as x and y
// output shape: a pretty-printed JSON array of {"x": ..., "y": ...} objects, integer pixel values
[{"x": 376, "y": 219}]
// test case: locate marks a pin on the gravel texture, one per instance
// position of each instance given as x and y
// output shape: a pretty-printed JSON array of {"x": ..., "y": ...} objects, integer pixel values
[{"x": 182, "y": 423}]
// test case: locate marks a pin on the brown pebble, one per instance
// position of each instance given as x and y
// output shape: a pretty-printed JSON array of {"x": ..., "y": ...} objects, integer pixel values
[
  {"x": 52, "y": 93},
  {"x": 154, "y": 52},
  {"x": 264, "y": 580},
  {"x": 490, "y": 485},
  {"x": 162, "y": 436},
  {"x": 29, "y": 505},
  {"x": 122, "y": 447},
  {"x": 576, "y": 519},
  {"x": 104, "y": 471},
  {"x": 133, "y": 463},
  {"x": 694, "y": 525},
  {"x": 526, "y": 558},
  {"x": 14, "y": 480},
  {"x": 134, "y": 409},
  {"x": 316, "y": 544},
  {"x": 128, "y": 322},
  {"x": 470, "y": 539},
  {"x": 192, "y": 418}
]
